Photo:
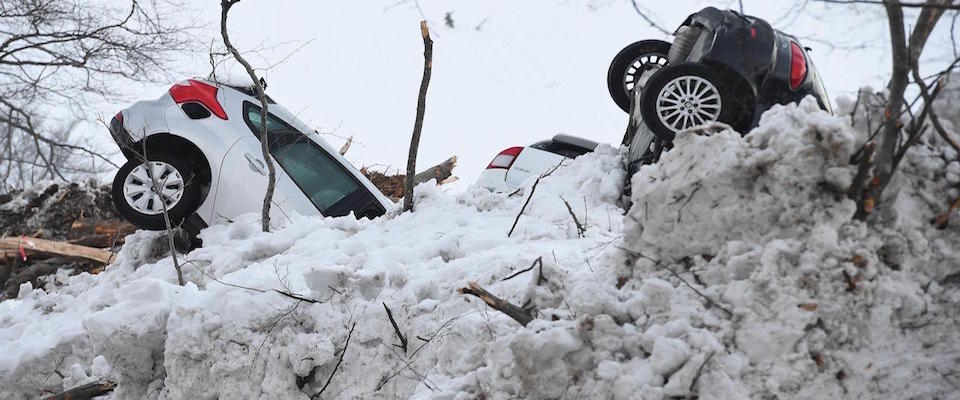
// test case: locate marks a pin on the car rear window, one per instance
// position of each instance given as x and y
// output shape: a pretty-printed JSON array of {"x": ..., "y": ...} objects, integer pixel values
[
  {"x": 563, "y": 149},
  {"x": 324, "y": 180}
]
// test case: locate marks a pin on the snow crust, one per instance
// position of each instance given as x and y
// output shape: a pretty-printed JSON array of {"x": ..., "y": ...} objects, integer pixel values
[{"x": 738, "y": 272}]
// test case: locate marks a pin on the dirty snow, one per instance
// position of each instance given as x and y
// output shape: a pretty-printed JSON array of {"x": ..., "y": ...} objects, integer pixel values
[{"x": 737, "y": 273}]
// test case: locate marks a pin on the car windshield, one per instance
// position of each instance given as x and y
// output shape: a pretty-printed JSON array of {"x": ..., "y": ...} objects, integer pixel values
[{"x": 318, "y": 175}]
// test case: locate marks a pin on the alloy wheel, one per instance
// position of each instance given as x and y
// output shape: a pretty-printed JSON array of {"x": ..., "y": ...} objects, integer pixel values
[{"x": 688, "y": 101}]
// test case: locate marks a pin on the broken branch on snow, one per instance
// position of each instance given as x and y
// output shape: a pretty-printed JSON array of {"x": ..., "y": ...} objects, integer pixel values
[
  {"x": 517, "y": 313},
  {"x": 403, "y": 339}
]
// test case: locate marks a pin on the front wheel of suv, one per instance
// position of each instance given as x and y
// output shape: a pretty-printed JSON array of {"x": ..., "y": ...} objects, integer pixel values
[
  {"x": 141, "y": 191},
  {"x": 683, "y": 96}
]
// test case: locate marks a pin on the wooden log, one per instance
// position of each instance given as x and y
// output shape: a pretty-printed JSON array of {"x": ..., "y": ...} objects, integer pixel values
[
  {"x": 84, "y": 392},
  {"x": 51, "y": 247},
  {"x": 95, "y": 232},
  {"x": 440, "y": 172}
]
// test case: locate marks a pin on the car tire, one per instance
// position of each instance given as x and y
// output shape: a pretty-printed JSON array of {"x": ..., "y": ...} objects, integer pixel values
[
  {"x": 684, "y": 95},
  {"x": 622, "y": 73},
  {"x": 132, "y": 183}
]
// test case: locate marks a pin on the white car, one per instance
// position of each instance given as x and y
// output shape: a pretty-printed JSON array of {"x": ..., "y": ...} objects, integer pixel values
[
  {"x": 514, "y": 165},
  {"x": 202, "y": 140}
]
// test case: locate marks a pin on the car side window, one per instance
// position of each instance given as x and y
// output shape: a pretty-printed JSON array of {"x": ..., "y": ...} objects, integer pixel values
[{"x": 319, "y": 176}]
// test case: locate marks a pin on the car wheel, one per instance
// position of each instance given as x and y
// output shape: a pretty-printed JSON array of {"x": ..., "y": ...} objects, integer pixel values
[
  {"x": 632, "y": 66},
  {"x": 135, "y": 199},
  {"x": 682, "y": 96}
]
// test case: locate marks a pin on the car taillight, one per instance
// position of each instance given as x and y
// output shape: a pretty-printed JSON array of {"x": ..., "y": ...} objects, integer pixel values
[
  {"x": 195, "y": 91},
  {"x": 506, "y": 158},
  {"x": 798, "y": 66}
]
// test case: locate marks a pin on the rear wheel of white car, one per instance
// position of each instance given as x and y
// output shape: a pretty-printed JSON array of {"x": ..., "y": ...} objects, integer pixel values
[
  {"x": 631, "y": 68},
  {"x": 141, "y": 191}
]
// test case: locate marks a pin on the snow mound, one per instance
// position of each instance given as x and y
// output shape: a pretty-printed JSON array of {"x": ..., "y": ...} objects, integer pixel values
[
  {"x": 736, "y": 273},
  {"x": 815, "y": 305}
]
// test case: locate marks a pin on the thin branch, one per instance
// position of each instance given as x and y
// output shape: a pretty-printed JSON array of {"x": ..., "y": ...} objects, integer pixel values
[
  {"x": 258, "y": 84},
  {"x": 580, "y": 229},
  {"x": 653, "y": 24},
  {"x": 403, "y": 339},
  {"x": 337, "y": 366},
  {"x": 517, "y": 313},
  {"x": 539, "y": 260}
]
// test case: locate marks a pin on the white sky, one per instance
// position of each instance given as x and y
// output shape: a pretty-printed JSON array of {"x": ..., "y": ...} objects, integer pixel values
[{"x": 532, "y": 69}]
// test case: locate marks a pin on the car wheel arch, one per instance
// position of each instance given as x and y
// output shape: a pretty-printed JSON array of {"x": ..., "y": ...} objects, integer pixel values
[
  {"x": 175, "y": 144},
  {"x": 741, "y": 89}
]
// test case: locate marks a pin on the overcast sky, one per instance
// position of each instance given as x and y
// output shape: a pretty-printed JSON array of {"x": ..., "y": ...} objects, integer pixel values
[{"x": 508, "y": 72}]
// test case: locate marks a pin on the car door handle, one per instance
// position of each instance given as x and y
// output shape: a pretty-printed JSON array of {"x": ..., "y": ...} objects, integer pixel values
[{"x": 255, "y": 164}]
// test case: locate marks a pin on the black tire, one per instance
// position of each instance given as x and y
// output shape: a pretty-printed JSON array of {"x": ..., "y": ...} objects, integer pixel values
[
  {"x": 188, "y": 203},
  {"x": 649, "y": 97},
  {"x": 621, "y": 74}
]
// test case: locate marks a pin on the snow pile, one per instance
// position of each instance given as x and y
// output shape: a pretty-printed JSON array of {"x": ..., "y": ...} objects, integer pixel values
[
  {"x": 820, "y": 306},
  {"x": 737, "y": 273}
]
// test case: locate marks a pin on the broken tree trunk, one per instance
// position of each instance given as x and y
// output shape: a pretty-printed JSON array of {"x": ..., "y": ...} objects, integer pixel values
[
  {"x": 51, "y": 247},
  {"x": 84, "y": 392},
  {"x": 99, "y": 232},
  {"x": 441, "y": 172}
]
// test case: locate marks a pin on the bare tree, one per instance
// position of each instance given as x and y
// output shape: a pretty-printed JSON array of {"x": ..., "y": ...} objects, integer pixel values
[
  {"x": 418, "y": 123},
  {"x": 881, "y": 155},
  {"x": 64, "y": 55},
  {"x": 258, "y": 84}
]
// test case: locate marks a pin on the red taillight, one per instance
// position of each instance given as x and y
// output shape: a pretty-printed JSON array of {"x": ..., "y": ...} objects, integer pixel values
[
  {"x": 193, "y": 90},
  {"x": 798, "y": 66},
  {"x": 119, "y": 118},
  {"x": 506, "y": 158}
]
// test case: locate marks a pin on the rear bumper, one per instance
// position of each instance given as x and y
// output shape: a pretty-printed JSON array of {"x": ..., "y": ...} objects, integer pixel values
[{"x": 123, "y": 139}]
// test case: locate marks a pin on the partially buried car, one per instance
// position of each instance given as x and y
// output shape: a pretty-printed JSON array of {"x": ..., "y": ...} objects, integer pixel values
[
  {"x": 514, "y": 165},
  {"x": 722, "y": 66},
  {"x": 203, "y": 162}
]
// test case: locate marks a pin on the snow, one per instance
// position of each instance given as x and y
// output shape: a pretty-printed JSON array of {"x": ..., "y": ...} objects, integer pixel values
[{"x": 724, "y": 280}]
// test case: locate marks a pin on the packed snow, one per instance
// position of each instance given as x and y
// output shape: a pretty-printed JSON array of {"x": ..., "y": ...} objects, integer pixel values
[{"x": 738, "y": 272}]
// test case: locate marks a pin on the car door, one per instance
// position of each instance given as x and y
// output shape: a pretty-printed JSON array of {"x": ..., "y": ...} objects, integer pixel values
[{"x": 243, "y": 183}]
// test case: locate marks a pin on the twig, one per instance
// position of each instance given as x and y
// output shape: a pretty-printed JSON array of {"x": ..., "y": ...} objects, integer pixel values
[
  {"x": 580, "y": 229},
  {"x": 418, "y": 123},
  {"x": 642, "y": 14},
  {"x": 403, "y": 339},
  {"x": 539, "y": 260},
  {"x": 675, "y": 274},
  {"x": 530, "y": 196},
  {"x": 296, "y": 296},
  {"x": 708, "y": 299},
  {"x": 335, "y": 367},
  {"x": 518, "y": 314},
  {"x": 857, "y": 187},
  {"x": 700, "y": 370}
]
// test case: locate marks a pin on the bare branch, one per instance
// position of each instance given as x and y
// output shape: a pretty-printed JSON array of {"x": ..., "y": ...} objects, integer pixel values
[
  {"x": 643, "y": 14},
  {"x": 403, "y": 339},
  {"x": 518, "y": 314},
  {"x": 337, "y": 366},
  {"x": 258, "y": 84}
]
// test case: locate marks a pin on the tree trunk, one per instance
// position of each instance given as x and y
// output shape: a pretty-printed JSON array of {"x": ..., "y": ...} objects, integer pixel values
[{"x": 418, "y": 123}]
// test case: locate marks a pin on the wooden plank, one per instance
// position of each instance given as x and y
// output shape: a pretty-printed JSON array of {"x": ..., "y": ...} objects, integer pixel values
[{"x": 52, "y": 247}]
